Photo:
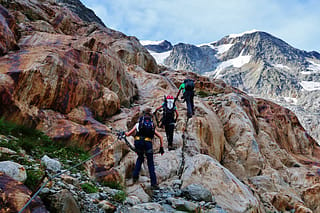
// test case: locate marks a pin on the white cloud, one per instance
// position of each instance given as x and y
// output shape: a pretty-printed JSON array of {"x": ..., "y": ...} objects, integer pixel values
[{"x": 203, "y": 21}]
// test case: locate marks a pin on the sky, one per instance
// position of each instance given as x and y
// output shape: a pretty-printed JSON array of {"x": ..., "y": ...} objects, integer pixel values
[{"x": 297, "y": 22}]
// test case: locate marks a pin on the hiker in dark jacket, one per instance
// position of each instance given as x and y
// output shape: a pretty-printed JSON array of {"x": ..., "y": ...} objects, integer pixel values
[
  {"x": 168, "y": 119},
  {"x": 188, "y": 93},
  {"x": 145, "y": 131}
]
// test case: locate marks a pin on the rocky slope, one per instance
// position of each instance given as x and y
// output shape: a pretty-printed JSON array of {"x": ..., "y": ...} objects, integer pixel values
[
  {"x": 262, "y": 65},
  {"x": 79, "y": 82}
]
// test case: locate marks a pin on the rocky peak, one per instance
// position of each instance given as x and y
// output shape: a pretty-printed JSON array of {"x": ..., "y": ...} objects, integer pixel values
[
  {"x": 191, "y": 57},
  {"x": 158, "y": 47},
  {"x": 83, "y": 12},
  {"x": 263, "y": 46}
]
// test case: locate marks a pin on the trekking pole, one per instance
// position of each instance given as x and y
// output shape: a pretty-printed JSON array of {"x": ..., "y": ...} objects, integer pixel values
[{"x": 121, "y": 135}]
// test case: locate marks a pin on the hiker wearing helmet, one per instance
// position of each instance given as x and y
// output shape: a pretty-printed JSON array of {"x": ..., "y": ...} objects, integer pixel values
[
  {"x": 168, "y": 120},
  {"x": 188, "y": 93},
  {"x": 144, "y": 132}
]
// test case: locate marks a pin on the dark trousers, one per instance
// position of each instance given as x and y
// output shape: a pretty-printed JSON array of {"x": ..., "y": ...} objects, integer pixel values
[
  {"x": 188, "y": 97},
  {"x": 145, "y": 148},
  {"x": 169, "y": 133}
]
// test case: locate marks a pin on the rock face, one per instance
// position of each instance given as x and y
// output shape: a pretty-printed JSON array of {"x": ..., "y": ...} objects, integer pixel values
[
  {"x": 80, "y": 82},
  {"x": 260, "y": 64},
  {"x": 84, "y": 13},
  {"x": 67, "y": 72},
  {"x": 8, "y": 32},
  {"x": 14, "y": 195}
]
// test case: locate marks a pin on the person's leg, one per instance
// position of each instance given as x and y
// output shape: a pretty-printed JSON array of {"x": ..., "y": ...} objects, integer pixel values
[
  {"x": 167, "y": 128},
  {"x": 149, "y": 154},
  {"x": 192, "y": 103},
  {"x": 169, "y": 131},
  {"x": 187, "y": 96},
  {"x": 139, "y": 145}
]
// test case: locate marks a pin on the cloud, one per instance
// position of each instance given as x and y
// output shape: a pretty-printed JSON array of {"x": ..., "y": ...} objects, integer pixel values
[{"x": 202, "y": 21}]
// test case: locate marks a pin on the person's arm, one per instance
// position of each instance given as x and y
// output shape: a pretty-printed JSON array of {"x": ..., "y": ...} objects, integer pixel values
[
  {"x": 157, "y": 109},
  {"x": 177, "y": 115},
  {"x": 131, "y": 131},
  {"x": 180, "y": 88},
  {"x": 178, "y": 93},
  {"x": 160, "y": 137}
]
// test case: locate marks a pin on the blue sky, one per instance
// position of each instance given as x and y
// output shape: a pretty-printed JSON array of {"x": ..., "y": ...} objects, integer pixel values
[{"x": 202, "y": 21}]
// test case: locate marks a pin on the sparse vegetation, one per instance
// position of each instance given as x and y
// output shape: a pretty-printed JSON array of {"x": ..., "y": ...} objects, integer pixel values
[
  {"x": 35, "y": 144},
  {"x": 89, "y": 188},
  {"x": 113, "y": 184},
  {"x": 203, "y": 94},
  {"x": 120, "y": 196},
  {"x": 34, "y": 177}
]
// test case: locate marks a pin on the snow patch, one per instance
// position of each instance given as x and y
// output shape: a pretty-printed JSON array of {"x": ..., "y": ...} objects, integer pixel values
[
  {"x": 281, "y": 66},
  {"x": 310, "y": 85},
  {"x": 314, "y": 67},
  {"x": 159, "y": 57},
  {"x": 291, "y": 100},
  {"x": 241, "y": 34},
  {"x": 148, "y": 42},
  {"x": 220, "y": 49},
  {"x": 235, "y": 62},
  {"x": 223, "y": 48}
]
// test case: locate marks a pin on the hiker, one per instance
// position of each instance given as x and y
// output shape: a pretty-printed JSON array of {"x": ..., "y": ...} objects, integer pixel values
[
  {"x": 188, "y": 93},
  {"x": 145, "y": 131},
  {"x": 168, "y": 120}
]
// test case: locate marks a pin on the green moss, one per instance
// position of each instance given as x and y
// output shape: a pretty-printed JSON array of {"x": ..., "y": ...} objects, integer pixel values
[
  {"x": 33, "y": 179},
  {"x": 203, "y": 94},
  {"x": 113, "y": 184},
  {"x": 89, "y": 188},
  {"x": 120, "y": 196},
  {"x": 37, "y": 144}
]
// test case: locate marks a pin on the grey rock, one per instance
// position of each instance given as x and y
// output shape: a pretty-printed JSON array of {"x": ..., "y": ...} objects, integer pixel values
[
  {"x": 51, "y": 164},
  {"x": 197, "y": 192},
  {"x": 14, "y": 170}
]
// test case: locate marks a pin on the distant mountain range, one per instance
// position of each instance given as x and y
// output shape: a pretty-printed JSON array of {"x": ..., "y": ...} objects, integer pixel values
[{"x": 257, "y": 63}]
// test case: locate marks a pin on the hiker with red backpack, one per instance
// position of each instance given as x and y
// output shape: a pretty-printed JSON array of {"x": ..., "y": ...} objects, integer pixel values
[
  {"x": 168, "y": 119},
  {"x": 188, "y": 93},
  {"x": 145, "y": 131}
]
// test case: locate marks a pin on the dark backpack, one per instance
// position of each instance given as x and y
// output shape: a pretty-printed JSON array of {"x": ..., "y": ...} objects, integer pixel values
[
  {"x": 168, "y": 114},
  {"x": 146, "y": 127},
  {"x": 189, "y": 84}
]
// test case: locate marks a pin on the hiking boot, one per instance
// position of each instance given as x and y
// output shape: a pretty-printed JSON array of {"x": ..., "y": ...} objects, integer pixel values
[
  {"x": 155, "y": 187},
  {"x": 170, "y": 148},
  {"x": 135, "y": 179}
]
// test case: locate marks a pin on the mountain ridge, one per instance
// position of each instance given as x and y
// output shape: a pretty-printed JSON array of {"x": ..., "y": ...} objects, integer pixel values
[{"x": 259, "y": 64}]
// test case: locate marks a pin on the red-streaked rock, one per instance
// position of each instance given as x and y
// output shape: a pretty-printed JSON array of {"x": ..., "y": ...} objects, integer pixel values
[
  {"x": 14, "y": 195},
  {"x": 8, "y": 32},
  {"x": 311, "y": 196}
]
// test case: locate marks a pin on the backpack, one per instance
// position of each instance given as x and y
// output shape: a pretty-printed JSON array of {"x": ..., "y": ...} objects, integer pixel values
[
  {"x": 168, "y": 114},
  {"x": 189, "y": 84},
  {"x": 146, "y": 127}
]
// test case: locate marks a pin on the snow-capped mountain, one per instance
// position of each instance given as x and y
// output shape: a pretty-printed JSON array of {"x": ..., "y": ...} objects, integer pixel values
[{"x": 259, "y": 64}]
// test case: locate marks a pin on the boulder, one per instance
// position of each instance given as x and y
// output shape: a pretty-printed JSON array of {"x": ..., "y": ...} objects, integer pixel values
[
  {"x": 14, "y": 195},
  {"x": 14, "y": 170}
]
